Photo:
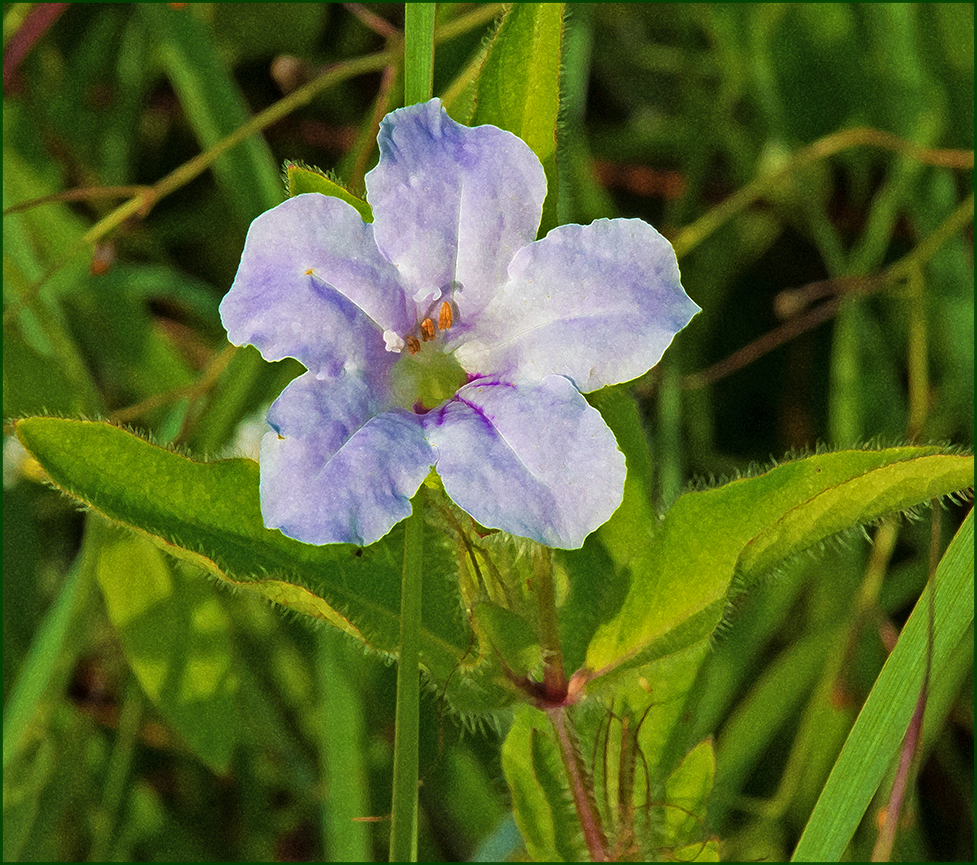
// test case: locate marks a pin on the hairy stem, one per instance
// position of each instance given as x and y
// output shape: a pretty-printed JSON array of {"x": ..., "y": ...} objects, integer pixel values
[
  {"x": 554, "y": 679},
  {"x": 583, "y": 800}
]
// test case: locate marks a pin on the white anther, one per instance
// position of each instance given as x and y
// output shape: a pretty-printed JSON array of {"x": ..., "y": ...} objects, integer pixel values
[{"x": 393, "y": 341}]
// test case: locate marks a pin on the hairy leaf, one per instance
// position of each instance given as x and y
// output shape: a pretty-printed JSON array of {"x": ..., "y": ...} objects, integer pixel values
[
  {"x": 208, "y": 514},
  {"x": 679, "y": 584}
]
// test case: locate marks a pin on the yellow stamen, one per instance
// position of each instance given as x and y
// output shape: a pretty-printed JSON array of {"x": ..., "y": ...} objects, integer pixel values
[
  {"x": 445, "y": 316},
  {"x": 427, "y": 330},
  {"x": 309, "y": 272},
  {"x": 413, "y": 344}
]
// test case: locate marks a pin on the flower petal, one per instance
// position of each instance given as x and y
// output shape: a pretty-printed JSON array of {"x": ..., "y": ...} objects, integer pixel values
[
  {"x": 597, "y": 303},
  {"x": 535, "y": 460},
  {"x": 334, "y": 473},
  {"x": 453, "y": 203},
  {"x": 312, "y": 285}
]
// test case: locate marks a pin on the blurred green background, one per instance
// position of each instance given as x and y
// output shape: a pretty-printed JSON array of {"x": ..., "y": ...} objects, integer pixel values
[{"x": 668, "y": 111}]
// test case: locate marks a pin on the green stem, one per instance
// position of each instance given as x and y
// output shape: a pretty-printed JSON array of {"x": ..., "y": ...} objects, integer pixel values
[
  {"x": 418, "y": 52},
  {"x": 554, "y": 678},
  {"x": 109, "y": 816},
  {"x": 343, "y": 750},
  {"x": 403, "y": 830},
  {"x": 418, "y": 76}
]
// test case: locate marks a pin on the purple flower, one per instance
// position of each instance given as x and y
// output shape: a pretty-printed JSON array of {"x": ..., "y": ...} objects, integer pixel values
[{"x": 442, "y": 334}]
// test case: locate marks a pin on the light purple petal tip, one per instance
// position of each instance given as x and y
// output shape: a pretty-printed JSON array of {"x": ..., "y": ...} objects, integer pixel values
[
  {"x": 453, "y": 204},
  {"x": 312, "y": 285},
  {"x": 598, "y": 303},
  {"x": 533, "y": 460}
]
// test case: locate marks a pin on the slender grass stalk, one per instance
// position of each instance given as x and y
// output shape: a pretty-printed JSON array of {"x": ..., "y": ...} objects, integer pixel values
[
  {"x": 418, "y": 73},
  {"x": 108, "y": 816},
  {"x": 403, "y": 830},
  {"x": 418, "y": 52},
  {"x": 342, "y": 752}
]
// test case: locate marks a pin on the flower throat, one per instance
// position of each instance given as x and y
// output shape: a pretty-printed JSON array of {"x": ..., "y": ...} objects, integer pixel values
[{"x": 426, "y": 375}]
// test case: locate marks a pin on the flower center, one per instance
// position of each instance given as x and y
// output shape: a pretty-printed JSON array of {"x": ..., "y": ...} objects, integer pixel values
[
  {"x": 424, "y": 380},
  {"x": 426, "y": 375}
]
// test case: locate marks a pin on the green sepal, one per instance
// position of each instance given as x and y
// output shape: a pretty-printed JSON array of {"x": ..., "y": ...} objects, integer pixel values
[
  {"x": 510, "y": 635},
  {"x": 301, "y": 179}
]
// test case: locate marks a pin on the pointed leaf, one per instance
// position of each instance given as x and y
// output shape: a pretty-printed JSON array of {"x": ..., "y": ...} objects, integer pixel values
[
  {"x": 855, "y": 500},
  {"x": 679, "y": 585}
]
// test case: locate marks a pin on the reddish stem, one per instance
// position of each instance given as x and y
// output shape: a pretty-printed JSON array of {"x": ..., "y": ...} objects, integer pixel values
[
  {"x": 586, "y": 812},
  {"x": 36, "y": 23}
]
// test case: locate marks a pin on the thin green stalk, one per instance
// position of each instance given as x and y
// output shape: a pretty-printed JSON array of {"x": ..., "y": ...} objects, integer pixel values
[
  {"x": 913, "y": 743},
  {"x": 418, "y": 76},
  {"x": 109, "y": 815},
  {"x": 342, "y": 751},
  {"x": 418, "y": 52},
  {"x": 403, "y": 829}
]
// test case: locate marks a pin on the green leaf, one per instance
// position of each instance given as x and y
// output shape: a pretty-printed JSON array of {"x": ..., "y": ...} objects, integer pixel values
[
  {"x": 875, "y": 740},
  {"x": 176, "y": 636},
  {"x": 300, "y": 179},
  {"x": 686, "y": 793},
  {"x": 519, "y": 85},
  {"x": 540, "y": 798},
  {"x": 854, "y": 500},
  {"x": 680, "y": 583},
  {"x": 215, "y": 107},
  {"x": 41, "y": 665},
  {"x": 209, "y": 514}
]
